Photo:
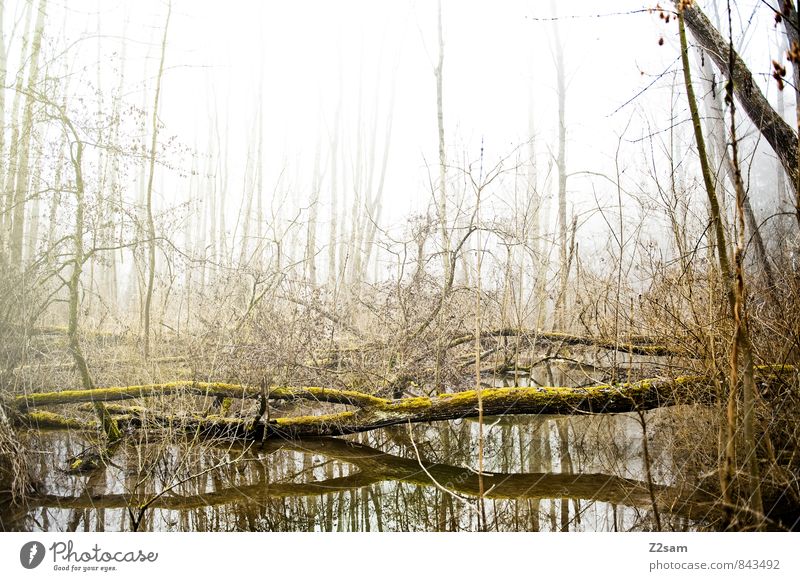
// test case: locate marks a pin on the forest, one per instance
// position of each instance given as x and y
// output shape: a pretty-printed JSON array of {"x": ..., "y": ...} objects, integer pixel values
[{"x": 399, "y": 266}]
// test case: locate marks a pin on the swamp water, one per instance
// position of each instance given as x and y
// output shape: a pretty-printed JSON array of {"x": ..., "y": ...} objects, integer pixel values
[{"x": 541, "y": 473}]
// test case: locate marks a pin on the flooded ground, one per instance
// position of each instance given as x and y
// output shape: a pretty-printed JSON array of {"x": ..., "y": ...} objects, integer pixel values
[
  {"x": 540, "y": 473},
  {"x": 583, "y": 473}
]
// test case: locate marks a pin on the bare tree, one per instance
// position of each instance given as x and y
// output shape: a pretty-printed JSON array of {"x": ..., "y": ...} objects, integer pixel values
[
  {"x": 734, "y": 290},
  {"x": 438, "y": 72},
  {"x": 151, "y": 229},
  {"x": 561, "y": 164},
  {"x": 23, "y": 164},
  {"x": 781, "y": 137},
  {"x": 11, "y": 198},
  {"x": 3, "y": 74}
]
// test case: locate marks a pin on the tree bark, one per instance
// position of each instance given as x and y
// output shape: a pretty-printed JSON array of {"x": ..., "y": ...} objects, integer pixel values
[
  {"x": 447, "y": 259},
  {"x": 151, "y": 229},
  {"x": 8, "y": 209},
  {"x": 374, "y": 412},
  {"x": 634, "y": 345},
  {"x": 73, "y": 284},
  {"x": 781, "y": 137},
  {"x": 3, "y": 71},
  {"x": 319, "y": 394},
  {"x": 559, "y": 322}
]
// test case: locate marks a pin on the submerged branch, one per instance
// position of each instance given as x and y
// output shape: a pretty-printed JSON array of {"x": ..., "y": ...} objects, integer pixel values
[{"x": 375, "y": 466}]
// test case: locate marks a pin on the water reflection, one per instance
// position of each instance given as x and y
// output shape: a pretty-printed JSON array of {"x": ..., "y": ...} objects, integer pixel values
[{"x": 578, "y": 473}]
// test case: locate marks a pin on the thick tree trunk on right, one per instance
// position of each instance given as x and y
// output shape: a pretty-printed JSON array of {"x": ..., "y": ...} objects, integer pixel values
[
  {"x": 734, "y": 289},
  {"x": 781, "y": 137}
]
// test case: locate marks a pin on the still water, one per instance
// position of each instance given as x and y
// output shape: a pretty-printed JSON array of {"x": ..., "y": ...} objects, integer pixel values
[{"x": 543, "y": 473}]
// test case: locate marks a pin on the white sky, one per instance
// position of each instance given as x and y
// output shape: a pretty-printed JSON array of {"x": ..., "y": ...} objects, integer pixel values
[{"x": 498, "y": 60}]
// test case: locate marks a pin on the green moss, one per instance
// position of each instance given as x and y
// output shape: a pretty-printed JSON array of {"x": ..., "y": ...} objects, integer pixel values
[
  {"x": 44, "y": 419},
  {"x": 689, "y": 380},
  {"x": 408, "y": 404},
  {"x": 314, "y": 420},
  {"x": 125, "y": 392},
  {"x": 566, "y": 394},
  {"x": 328, "y": 394},
  {"x": 132, "y": 410},
  {"x": 513, "y": 393}
]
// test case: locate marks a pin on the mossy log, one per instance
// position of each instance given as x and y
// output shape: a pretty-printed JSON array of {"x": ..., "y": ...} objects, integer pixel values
[
  {"x": 375, "y": 466},
  {"x": 374, "y": 412},
  {"x": 106, "y": 394},
  {"x": 635, "y": 345},
  {"x": 45, "y": 420}
]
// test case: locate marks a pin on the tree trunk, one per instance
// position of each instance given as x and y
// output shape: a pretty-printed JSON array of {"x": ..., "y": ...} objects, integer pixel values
[
  {"x": 73, "y": 284},
  {"x": 151, "y": 229},
  {"x": 22, "y": 190},
  {"x": 561, "y": 163},
  {"x": 447, "y": 260},
  {"x": 734, "y": 288},
  {"x": 313, "y": 209},
  {"x": 781, "y": 137},
  {"x": 333, "y": 242},
  {"x": 3, "y": 71},
  {"x": 742, "y": 343},
  {"x": 13, "y": 146},
  {"x": 791, "y": 24},
  {"x": 375, "y": 412}
]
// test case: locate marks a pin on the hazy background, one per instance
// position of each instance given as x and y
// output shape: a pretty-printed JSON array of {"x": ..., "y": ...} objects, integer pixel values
[{"x": 286, "y": 68}]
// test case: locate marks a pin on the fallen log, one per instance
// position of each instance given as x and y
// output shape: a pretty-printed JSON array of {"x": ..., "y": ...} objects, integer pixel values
[
  {"x": 44, "y": 420},
  {"x": 106, "y": 394},
  {"x": 634, "y": 345},
  {"x": 374, "y": 412}
]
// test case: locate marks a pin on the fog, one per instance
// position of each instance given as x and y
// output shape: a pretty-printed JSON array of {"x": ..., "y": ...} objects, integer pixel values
[
  {"x": 289, "y": 78},
  {"x": 406, "y": 198}
]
